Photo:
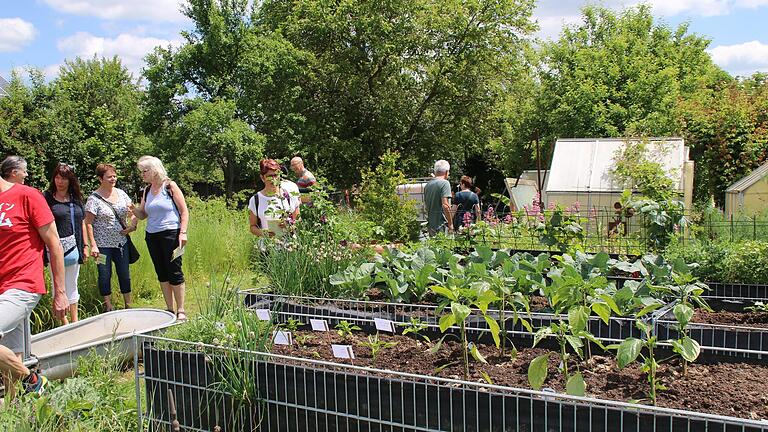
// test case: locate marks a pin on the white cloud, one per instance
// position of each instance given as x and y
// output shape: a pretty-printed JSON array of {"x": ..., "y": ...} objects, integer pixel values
[
  {"x": 130, "y": 48},
  {"x": 741, "y": 59},
  {"x": 149, "y": 10},
  {"x": 15, "y": 33}
]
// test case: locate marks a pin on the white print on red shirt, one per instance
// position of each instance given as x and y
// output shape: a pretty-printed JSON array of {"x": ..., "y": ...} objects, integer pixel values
[{"x": 6, "y": 221}]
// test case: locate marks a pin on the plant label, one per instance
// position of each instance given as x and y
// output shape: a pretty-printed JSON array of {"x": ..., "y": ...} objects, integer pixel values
[
  {"x": 283, "y": 338},
  {"x": 343, "y": 351},
  {"x": 319, "y": 325},
  {"x": 263, "y": 314},
  {"x": 384, "y": 325}
]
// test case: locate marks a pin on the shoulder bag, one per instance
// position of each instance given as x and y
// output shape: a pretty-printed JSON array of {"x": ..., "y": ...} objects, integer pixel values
[{"x": 133, "y": 253}]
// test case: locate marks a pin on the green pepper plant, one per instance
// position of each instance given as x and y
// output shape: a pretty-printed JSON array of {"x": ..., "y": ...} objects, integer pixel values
[{"x": 458, "y": 298}]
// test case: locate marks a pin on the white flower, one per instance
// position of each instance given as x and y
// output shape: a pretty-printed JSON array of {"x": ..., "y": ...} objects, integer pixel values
[
  {"x": 216, "y": 341},
  {"x": 220, "y": 325}
]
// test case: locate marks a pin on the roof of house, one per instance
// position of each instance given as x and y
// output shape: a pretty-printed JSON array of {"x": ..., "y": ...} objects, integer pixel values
[
  {"x": 749, "y": 179},
  {"x": 3, "y": 85},
  {"x": 585, "y": 164}
]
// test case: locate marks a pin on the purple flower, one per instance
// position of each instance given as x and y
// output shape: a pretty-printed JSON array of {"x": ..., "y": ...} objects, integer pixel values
[
  {"x": 286, "y": 195},
  {"x": 343, "y": 243},
  {"x": 467, "y": 219},
  {"x": 323, "y": 219},
  {"x": 310, "y": 204},
  {"x": 577, "y": 205},
  {"x": 508, "y": 219}
]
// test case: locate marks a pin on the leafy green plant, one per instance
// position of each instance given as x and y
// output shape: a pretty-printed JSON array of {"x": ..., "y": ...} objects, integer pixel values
[
  {"x": 415, "y": 327},
  {"x": 379, "y": 202},
  {"x": 354, "y": 280},
  {"x": 304, "y": 339},
  {"x": 292, "y": 325},
  {"x": 628, "y": 351},
  {"x": 757, "y": 307},
  {"x": 561, "y": 229},
  {"x": 376, "y": 345},
  {"x": 462, "y": 298},
  {"x": 345, "y": 329}
]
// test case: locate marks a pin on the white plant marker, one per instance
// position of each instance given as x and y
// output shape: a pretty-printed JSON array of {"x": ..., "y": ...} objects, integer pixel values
[
  {"x": 384, "y": 325},
  {"x": 319, "y": 325},
  {"x": 343, "y": 351},
  {"x": 283, "y": 338}
]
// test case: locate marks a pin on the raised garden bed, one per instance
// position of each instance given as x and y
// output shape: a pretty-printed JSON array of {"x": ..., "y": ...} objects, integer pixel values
[
  {"x": 730, "y": 340},
  {"x": 307, "y": 394}
]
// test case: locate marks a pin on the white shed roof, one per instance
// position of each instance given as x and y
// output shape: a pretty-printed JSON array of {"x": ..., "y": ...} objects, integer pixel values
[
  {"x": 3, "y": 85},
  {"x": 584, "y": 165}
]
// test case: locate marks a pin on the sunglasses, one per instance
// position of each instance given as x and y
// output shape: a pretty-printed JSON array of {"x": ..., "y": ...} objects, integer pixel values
[{"x": 66, "y": 166}]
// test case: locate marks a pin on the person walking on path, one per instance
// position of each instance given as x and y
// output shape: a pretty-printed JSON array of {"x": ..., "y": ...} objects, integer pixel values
[
  {"x": 65, "y": 200},
  {"x": 106, "y": 211},
  {"x": 467, "y": 203},
  {"x": 436, "y": 200},
  {"x": 27, "y": 227},
  {"x": 164, "y": 207}
]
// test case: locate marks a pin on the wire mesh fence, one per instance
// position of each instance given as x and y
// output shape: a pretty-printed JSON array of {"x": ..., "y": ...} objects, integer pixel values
[{"x": 294, "y": 394}]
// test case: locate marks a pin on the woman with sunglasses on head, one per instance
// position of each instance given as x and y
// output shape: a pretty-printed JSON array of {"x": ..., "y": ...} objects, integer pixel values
[
  {"x": 164, "y": 207},
  {"x": 66, "y": 202},
  {"x": 271, "y": 200}
]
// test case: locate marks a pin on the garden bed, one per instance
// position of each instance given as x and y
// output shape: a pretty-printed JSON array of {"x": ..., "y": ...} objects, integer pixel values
[
  {"x": 729, "y": 389},
  {"x": 306, "y": 394}
]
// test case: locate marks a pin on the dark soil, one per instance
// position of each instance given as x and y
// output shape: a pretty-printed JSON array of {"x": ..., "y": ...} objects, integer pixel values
[
  {"x": 730, "y": 389},
  {"x": 745, "y": 319}
]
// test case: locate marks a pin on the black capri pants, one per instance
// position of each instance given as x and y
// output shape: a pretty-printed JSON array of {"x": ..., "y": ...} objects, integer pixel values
[{"x": 161, "y": 245}]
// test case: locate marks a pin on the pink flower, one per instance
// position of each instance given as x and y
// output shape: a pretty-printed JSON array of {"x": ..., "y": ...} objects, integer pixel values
[
  {"x": 508, "y": 219},
  {"x": 593, "y": 213},
  {"x": 577, "y": 205},
  {"x": 551, "y": 205},
  {"x": 467, "y": 219}
]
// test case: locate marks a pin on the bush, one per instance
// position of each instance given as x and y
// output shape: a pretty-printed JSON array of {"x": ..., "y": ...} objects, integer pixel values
[
  {"x": 380, "y": 204},
  {"x": 747, "y": 262},
  {"x": 708, "y": 255}
]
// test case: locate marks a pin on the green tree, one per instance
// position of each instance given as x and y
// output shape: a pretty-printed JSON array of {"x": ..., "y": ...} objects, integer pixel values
[
  {"x": 94, "y": 115},
  {"x": 613, "y": 75},
  {"x": 213, "y": 134},
  {"x": 419, "y": 77},
  {"x": 24, "y": 123},
  {"x": 729, "y": 141}
]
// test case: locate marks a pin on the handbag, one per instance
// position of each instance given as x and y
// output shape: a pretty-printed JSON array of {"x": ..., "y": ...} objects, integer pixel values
[
  {"x": 72, "y": 255},
  {"x": 133, "y": 253}
]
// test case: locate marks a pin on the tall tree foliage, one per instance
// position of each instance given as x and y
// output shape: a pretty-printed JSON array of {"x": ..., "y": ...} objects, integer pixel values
[
  {"x": 87, "y": 115},
  {"x": 727, "y": 129},
  {"x": 340, "y": 83},
  {"x": 614, "y": 75},
  {"x": 421, "y": 77}
]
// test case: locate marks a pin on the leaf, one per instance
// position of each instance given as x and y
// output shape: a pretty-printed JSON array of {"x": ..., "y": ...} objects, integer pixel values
[
  {"x": 495, "y": 329},
  {"x": 440, "y": 368},
  {"x": 445, "y": 292},
  {"x": 486, "y": 377},
  {"x": 476, "y": 354},
  {"x": 603, "y": 311},
  {"x": 577, "y": 317},
  {"x": 460, "y": 311},
  {"x": 683, "y": 313},
  {"x": 446, "y": 321},
  {"x": 688, "y": 348},
  {"x": 537, "y": 371},
  {"x": 628, "y": 351},
  {"x": 574, "y": 342},
  {"x": 576, "y": 385},
  {"x": 541, "y": 334}
]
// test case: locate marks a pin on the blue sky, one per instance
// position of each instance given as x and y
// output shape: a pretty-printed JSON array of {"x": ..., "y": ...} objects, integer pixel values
[{"x": 42, "y": 33}]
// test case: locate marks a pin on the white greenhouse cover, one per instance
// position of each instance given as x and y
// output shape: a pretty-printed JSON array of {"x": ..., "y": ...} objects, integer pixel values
[{"x": 584, "y": 165}]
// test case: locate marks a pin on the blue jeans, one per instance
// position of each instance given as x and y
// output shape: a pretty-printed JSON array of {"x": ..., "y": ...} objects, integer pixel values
[{"x": 119, "y": 256}]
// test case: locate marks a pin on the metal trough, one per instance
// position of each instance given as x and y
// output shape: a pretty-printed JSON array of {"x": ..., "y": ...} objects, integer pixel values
[{"x": 57, "y": 350}]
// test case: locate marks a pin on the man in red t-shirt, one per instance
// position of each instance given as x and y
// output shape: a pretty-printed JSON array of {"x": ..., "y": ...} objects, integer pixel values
[{"x": 26, "y": 227}]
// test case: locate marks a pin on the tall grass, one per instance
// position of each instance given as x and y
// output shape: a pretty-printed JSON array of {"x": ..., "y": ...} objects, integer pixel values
[{"x": 219, "y": 242}]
